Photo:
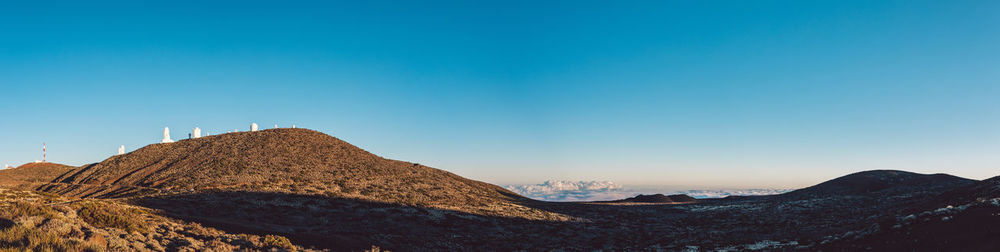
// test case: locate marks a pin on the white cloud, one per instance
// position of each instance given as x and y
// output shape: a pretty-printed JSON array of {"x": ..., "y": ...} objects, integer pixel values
[
  {"x": 731, "y": 192},
  {"x": 556, "y": 190}
]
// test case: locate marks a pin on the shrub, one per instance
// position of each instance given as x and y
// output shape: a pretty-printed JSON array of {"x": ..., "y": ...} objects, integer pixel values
[
  {"x": 18, "y": 208},
  {"x": 105, "y": 215},
  {"x": 376, "y": 249},
  {"x": 275, "y": 241},
  {"x": 23, "y": 239},
  {"x": 47, "y": 194}
]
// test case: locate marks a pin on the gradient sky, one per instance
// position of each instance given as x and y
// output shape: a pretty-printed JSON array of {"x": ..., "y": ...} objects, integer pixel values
[{"x": 681, "y": 93}]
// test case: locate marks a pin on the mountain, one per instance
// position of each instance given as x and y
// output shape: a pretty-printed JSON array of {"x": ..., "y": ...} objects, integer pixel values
[
  {"x": 32, "y": 174},
  {"x": 315, "y": 189},
  {"x": 657, "y": 198},
  {"x": 293, "y": 161},
  {"x": 882, "y": 182},
  {"x": 321, "y": 192}
]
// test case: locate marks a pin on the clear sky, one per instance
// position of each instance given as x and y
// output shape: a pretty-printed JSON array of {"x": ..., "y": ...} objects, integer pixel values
[{"x": 699, "y": 93}]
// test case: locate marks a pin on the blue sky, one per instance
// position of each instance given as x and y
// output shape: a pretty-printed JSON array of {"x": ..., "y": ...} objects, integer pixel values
[{"x": 680, "y": 93}]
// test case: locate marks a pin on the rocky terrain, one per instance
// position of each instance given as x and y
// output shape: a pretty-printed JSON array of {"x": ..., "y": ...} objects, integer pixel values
[
  {"x": 963, "y": 219},
  {"x": 250, "y": 190},
  {"x": 42, "y": 222}
]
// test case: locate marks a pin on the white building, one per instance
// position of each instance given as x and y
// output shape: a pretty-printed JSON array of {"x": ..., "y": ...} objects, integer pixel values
[
  {"x": 196, "y": 132},
  {"x": 253, "y": 127},
  {"x": 121, "y": 150},
  {"x": 166, "y": 136}
]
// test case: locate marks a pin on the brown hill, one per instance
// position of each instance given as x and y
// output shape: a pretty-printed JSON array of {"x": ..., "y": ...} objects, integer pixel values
[
  {"x": 292, "y": 161},
  {"x": 30, "y": 175}
]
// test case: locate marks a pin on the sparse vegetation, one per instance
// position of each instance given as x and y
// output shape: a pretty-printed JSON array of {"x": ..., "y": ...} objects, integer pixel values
[
  {"x": 16, "y": 209},
  {"x": 275, "y": 241},
  {"x": 34, "y": 222},
  {"x": 19, "y": 238},
  {"x": 112, "y": 216}
]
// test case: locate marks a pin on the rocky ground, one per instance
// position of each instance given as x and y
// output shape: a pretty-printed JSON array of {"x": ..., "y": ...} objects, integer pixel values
[{"x": 40, "y": 222}]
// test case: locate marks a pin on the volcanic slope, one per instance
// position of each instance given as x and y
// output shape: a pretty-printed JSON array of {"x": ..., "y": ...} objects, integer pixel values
[
  {"x": 891, "y": 182},
  {"x": 294, "y": 161},
  {"x": 30, "y": 175},
  {"x": 964, "y": 219}
]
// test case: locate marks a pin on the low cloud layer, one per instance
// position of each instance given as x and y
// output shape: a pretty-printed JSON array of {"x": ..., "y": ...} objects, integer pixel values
[
  {"x": 556, "y": 190},
  {"x": 731, "y": 192}
]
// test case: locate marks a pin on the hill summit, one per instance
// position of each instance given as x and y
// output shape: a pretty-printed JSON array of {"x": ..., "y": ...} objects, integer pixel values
[
  {"x": 881, "y": 181},
  {"x": 295, "y": 161},
  {"x": 30, "y": 175}
]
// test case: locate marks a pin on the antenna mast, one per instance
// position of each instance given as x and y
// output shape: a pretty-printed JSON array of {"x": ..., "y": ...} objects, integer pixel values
[{"x": 43, "y": 152}]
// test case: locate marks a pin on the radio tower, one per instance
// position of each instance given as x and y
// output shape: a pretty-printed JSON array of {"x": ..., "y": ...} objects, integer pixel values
[{"x": 43, "y": 152}]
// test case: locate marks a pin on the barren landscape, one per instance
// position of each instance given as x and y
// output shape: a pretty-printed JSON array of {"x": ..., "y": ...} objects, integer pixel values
[
  {"x": 298, "y": 189},
  {"x": 556, "y": 126}
]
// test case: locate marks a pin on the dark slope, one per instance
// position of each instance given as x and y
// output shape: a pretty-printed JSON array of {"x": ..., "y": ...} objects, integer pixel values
[
  {"x": 986, "y": 189},
  {"x": 29, "y": 175},
  {"x": 880, "y": 182},
  {"x": 294, "y": 161},
  {"x": 963, "y": 219}
]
